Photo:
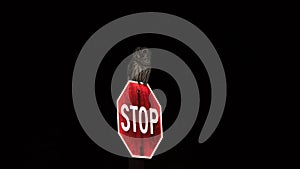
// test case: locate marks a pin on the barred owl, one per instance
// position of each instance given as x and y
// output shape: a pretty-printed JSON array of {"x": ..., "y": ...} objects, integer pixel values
[{"x": 139, "y": 67}]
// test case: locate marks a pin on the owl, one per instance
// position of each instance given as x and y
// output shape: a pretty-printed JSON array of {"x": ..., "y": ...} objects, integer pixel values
[{"x": 139, "y": 67}]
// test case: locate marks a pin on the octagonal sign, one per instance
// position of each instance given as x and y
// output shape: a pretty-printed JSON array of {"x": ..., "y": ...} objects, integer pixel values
[{"x": 139, "y": 119}]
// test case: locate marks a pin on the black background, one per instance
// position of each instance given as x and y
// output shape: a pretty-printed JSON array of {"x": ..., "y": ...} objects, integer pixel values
[{"x": 52, "y": 39}]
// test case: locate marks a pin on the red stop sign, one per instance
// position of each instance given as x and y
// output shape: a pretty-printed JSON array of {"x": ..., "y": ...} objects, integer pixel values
[{"x": 139, "y": 120}]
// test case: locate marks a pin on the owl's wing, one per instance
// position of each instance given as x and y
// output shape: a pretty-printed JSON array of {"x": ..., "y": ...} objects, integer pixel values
[
  {"x": 147, "y": 75},
  {"x": 129, "y": 70},
  {"x": 133, "y": 70}
]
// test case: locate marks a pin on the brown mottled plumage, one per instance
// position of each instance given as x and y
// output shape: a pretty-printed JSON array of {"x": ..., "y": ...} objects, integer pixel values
[{"x": 139, "y": 67}]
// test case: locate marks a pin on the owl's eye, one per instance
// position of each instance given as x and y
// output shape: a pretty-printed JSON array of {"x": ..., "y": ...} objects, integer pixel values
[{"x": 145, "y": 51}]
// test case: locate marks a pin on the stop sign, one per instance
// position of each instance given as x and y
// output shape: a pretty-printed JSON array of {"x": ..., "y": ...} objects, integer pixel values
[{"x": 139, "y": 119}]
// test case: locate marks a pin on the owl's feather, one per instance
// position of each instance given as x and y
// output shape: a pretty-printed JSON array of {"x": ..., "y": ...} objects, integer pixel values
[{"x": 139, "y": 68}]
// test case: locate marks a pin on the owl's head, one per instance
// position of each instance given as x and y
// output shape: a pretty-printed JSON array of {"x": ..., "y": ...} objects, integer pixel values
[{"x": 143, "y": 55}]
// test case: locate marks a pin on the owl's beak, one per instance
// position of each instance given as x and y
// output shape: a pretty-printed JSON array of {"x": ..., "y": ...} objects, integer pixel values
[{"x": 147, "y": 60}]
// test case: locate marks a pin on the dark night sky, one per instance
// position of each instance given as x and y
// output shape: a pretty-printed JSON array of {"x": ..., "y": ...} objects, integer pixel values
[{"x": 54, "y": 137}]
